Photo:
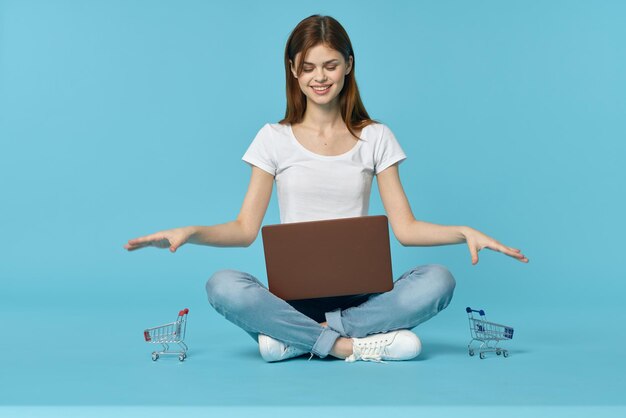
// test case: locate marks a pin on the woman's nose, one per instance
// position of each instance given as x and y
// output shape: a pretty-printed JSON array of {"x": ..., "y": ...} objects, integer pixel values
[{"x": 320, "y": 76}]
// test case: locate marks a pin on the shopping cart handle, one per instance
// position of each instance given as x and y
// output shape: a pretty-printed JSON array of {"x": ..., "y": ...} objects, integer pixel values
[{"x": 481, "y": 312}]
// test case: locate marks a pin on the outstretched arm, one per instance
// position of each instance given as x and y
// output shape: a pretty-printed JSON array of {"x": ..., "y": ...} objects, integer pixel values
[
  {"x": 238, "y": 233},
  {"x": 411, "y": 232}
]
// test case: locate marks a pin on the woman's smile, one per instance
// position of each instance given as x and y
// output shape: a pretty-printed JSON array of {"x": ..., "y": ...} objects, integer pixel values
[{"x": 321, "y": 90}]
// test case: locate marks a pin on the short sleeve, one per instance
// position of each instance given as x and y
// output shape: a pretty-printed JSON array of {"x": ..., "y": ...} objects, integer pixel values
[
  {"x": 387, "y": 151},
  {"x": 260, "y": 153}
]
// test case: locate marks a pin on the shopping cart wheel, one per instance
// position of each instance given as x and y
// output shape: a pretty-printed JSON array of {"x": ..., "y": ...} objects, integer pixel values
[
  {"x": 498, "y": 352},
  {"x": 182, "y": 357},
  {"x": 505, "y": 353},
  {"x": 482, "y": 355},
  {"x": 155, "y": 356},
  {"x": 471, "y": 352}
]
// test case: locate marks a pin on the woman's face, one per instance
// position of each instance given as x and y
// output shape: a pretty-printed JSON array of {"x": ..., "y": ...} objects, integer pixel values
[{"x": 323, "y": 73}]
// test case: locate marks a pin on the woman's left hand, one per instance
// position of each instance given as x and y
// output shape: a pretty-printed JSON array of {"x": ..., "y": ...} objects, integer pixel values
[{"x": 476, "y": 241}]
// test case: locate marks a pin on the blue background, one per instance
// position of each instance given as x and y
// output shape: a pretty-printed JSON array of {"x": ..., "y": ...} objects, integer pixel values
[{"x": 121, "y": 118}]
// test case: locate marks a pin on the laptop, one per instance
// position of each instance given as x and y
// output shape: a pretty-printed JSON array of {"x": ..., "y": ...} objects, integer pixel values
[{"x": 334, "y": 257}]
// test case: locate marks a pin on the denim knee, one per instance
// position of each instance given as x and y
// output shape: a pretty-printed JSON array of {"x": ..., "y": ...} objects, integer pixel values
[
  {"x": 429, "y": 283},
  {"x": 443, "y": 281},
  {"x": 224, "y": 289}
]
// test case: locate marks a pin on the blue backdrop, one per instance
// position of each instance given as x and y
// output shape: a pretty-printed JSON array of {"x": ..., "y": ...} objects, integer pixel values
[{"x": 118, "y": 119}]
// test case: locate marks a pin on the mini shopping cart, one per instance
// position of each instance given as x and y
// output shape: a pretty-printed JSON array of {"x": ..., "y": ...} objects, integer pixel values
[
  {"x": 172, "y": 333},
  {"x": 488, "y": 333}
]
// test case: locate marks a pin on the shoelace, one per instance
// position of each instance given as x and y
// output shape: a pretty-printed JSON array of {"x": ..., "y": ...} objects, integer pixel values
[{"x": 370, "y": 352}]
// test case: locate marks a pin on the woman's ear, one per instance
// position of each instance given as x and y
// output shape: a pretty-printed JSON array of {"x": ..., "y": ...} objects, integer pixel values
[
  {"x": 293, "y": 70},
  {"x": 349, "y": 67}
]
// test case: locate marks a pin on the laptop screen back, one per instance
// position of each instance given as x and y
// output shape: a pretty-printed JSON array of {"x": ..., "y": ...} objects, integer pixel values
[{"x": 334, "y": 257}]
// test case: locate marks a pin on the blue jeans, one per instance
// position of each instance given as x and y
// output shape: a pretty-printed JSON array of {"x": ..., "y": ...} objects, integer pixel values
[{"x": 418, "y": 295}]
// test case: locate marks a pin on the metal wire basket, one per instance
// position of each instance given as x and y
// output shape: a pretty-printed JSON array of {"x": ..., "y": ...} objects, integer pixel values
[
  {"x": 172, "y": 333},
  {"x": 489, "y": 334}
]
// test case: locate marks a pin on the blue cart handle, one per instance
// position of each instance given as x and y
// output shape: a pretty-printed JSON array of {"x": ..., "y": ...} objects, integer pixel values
[{"x": 481, "y": 312}]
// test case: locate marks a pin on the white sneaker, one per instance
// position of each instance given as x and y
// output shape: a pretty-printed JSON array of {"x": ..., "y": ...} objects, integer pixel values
[
  {"x": 274, "y": 350},
  {"x": 394, "y": 345}
]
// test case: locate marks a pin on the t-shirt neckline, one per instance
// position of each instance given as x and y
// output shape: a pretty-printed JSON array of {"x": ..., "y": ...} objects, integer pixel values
[{"x": 325, "y": 157}]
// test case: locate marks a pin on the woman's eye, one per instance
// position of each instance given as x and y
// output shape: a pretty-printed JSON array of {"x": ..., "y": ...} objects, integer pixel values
[{"x": 308, "y": 70}]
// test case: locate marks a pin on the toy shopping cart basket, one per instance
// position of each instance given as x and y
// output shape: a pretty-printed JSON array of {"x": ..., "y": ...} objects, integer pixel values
[
  {"x": 174, "y": 332},
  {"x": 488, "y": 333}
]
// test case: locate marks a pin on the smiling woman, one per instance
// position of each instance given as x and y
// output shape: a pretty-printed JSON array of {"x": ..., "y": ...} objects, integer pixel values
[
  {"x": 323, "y": 156},
  {"x": 328, "y": 71}
]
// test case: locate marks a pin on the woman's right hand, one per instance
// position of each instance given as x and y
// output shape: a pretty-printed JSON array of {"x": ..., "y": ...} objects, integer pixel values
[{"x": 171, "y": 238}]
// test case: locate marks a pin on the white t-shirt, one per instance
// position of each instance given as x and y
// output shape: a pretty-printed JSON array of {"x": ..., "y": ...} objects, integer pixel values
[{"x": 315, "y": 187}]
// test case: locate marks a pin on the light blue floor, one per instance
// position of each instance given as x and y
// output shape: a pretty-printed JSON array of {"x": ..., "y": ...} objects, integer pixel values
[{"x": 94, "y": 356}]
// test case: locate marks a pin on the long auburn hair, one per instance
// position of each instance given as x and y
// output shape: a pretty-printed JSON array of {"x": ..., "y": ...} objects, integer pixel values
[{"x": 310, "y": 32}]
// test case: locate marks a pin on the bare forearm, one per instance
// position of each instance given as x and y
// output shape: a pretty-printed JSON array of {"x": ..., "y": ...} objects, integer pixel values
[
  {"x": 425, "y": 234},
  {"x": 230, "y": 234}
]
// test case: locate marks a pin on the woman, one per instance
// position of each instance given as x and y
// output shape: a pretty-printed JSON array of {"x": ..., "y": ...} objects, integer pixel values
[{"x": 323, "y": 156}]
